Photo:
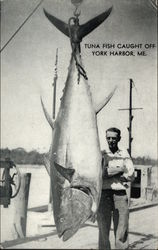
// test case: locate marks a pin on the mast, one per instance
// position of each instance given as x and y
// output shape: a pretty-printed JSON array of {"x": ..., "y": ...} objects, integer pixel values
[
  {"x": 54, "y": 86},
  {"x": 130, "y": 109},
  {"x": 130, "y": 119}
]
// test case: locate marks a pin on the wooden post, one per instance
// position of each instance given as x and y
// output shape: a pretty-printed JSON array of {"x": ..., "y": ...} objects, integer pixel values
[{"x": 21, "y": 205}]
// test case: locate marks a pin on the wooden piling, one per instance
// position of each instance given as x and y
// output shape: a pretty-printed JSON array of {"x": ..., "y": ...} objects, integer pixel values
[{"x": 21, "y": 205}]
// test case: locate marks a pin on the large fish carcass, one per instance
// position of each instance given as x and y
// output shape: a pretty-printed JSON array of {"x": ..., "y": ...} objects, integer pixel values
[{"x": 75, "y": 155}]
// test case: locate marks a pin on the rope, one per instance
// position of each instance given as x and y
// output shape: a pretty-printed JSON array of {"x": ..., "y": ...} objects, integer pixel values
[
  {"x": 21, "y": 26},
  {"x": 80, "y": 69}
]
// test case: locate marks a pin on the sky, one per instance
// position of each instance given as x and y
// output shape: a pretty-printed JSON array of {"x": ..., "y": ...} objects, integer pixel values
[{"x": 27, "y": 70}]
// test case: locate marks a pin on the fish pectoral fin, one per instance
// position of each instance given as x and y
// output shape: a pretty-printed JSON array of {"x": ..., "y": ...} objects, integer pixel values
[
  {"x": 67, "y": 173},
  {"x": 107, "y": 99},
  {"x": 48, "y": 117}
]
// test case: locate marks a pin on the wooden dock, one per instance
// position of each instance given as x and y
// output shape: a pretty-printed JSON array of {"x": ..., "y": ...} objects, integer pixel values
[{"x": 143, "y": 233}]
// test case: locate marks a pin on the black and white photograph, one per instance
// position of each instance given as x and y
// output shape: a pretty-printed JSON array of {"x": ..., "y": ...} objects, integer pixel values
[{"x": 78, "y": 162}]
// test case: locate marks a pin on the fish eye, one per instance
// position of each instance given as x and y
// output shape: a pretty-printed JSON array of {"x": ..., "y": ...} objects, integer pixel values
[{"x": 61, "y": 219}]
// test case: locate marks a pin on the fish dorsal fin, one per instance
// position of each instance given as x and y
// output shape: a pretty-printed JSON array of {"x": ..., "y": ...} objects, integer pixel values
[
  {"x": 67, "y": 173},
  {"x": 48, "y": 117},
  {"x": 107, "y": 99}
]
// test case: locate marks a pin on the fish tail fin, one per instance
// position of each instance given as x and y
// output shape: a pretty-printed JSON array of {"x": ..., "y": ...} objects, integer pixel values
[
  {"x": 84, "y": 29},
  {"x": 92, "y": 24}
]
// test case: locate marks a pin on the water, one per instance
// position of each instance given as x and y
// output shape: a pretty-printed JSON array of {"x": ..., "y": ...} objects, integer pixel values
[{"x": 39, "y": 185}]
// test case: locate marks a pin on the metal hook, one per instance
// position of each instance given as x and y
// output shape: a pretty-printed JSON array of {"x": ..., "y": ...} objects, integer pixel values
[{"x": 75, "y": 12}]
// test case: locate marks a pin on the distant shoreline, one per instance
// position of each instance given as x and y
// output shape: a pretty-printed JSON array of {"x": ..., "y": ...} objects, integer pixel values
[{"x": 21, "y": 157}]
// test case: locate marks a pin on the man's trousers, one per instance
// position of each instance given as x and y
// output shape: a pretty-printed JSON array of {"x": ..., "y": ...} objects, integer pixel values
[{"x": 113, "y": 203}]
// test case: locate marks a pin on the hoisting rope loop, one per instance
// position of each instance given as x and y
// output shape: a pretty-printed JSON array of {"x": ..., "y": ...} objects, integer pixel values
[{"x": 80, "y": 69}]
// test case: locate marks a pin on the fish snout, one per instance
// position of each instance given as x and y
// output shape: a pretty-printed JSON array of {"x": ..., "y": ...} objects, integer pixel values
[{"x": 75, "y": 210}]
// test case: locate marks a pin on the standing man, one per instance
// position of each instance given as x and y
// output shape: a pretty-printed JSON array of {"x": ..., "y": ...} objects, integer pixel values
[{"x": 118, "y": 170}]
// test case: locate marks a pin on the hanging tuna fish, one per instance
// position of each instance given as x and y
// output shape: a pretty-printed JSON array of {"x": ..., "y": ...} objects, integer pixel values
[{"x": 75, "y": 156}]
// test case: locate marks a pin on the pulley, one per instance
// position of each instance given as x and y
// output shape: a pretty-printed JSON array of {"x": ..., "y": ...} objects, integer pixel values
[
  {"x": 76, "y": 3},
  {"x": 10, "y": 181}
]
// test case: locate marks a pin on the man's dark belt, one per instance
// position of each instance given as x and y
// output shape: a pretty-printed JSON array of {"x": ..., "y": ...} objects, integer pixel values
[
  {"x": 112, "y": 191},
  {"x": 119, "y": 192}
]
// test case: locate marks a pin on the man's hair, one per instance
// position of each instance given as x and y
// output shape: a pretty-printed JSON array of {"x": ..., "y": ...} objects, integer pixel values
[{"x": 114, "y": 130}]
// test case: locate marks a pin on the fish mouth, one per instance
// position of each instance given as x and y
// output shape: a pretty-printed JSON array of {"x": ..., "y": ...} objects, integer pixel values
[
  {"x": 67, "y": 234},
  {"x": 78, "y": 202}
]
